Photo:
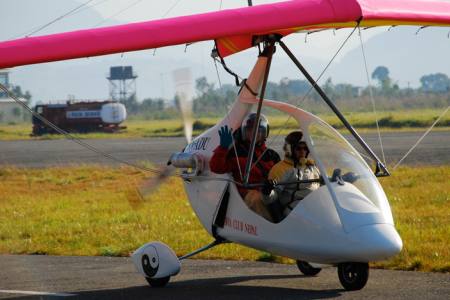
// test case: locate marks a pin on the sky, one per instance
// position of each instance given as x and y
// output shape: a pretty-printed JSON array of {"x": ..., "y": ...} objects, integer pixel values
[{"x": 85, "y": 78}]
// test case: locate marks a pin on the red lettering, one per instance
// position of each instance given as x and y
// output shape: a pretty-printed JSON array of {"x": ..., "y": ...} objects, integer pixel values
[
  {"x": 250, "y": 229},
  {"x": 241, "y": 226}
]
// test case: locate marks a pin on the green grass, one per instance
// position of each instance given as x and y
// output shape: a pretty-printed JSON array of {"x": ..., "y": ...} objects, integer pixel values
[
  {"x": 364, "y": 121},
  {"x": 95, "y": 210}
]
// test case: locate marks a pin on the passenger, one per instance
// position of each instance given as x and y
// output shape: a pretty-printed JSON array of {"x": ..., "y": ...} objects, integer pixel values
[
  {"x": 228, "y": 160},
  {"x": 295, "y": 166}
]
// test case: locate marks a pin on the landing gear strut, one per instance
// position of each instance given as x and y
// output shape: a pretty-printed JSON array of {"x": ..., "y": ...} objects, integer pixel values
[
  {"x": 353, "y": 276},
  {"x": 307, "y": 269}
]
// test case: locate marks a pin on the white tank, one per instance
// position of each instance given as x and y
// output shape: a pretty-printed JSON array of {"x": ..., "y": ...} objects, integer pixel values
[{"x": 113, "y": 113}]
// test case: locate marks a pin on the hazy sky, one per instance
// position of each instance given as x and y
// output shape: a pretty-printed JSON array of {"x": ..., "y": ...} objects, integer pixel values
[{"x": 86, "y": 78}]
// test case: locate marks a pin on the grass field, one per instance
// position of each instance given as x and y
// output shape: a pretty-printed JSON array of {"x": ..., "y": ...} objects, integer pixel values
[
  {"x": 399, "y": 120},
  {"x": 95, "y": 210}
]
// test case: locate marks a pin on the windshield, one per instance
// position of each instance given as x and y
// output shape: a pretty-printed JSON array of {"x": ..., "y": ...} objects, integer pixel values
[{"x": 334, "y": 152}]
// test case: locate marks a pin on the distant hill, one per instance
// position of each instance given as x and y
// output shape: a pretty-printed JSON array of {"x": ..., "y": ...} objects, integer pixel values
[{"x": 407, "y": 56}]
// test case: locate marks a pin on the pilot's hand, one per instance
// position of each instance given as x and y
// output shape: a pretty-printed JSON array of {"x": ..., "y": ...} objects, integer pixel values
[
  {"x": 226, "y": 137},
  {"x": 268, "y": 186},
  {"x": 350, "y": 177}
]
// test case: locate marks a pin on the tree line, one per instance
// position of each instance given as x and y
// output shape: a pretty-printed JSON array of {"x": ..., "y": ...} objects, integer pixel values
[
  {"x": 210, "y": 100},
  {"x": 434, "y": 92}
]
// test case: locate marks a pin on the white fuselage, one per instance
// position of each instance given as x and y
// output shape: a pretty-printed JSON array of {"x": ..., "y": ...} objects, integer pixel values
[{"x": 335, "y": 223}]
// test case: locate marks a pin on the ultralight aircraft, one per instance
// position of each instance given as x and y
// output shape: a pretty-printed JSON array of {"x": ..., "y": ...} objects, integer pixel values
[{"x": 347, "y": 222}]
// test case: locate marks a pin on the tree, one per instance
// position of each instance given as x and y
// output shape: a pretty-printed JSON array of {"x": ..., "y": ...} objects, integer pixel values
[
  {"x": 131, "y": 104},
  {"x": 203, "y": 86},
  {"x": 16, "y": 111},
  {"x": 328, "y": 88},
  {"x": 381, "y": 73},
  {"x": 436, "y": 83}
]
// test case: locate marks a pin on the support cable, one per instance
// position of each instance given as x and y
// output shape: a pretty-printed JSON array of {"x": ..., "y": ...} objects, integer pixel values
[
  {"x": 72, "y": 11},
  {"x": 297, "y": 104},
  {"x": 118, "y": 13},
  {"x": 371, "y": 96},
  {"x": 379, "y": 165},
  {"x": 421, "y": 138},
  {"x": 170, "y": 9},
  {"x": 72, "y": 137}
]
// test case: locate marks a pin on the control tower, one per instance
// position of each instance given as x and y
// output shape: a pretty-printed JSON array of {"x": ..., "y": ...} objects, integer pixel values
[{"x": 122, "y": 83}]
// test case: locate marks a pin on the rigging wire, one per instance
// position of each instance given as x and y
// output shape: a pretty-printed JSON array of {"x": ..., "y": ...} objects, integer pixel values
[
  {"x": 369, "y": 84},
  {"x": 72, "y": 11},
  {"x": 421, "y": 138},
  {"x": 118, "y": 13},
  {"x": 86, "y": 7},
  {"x": 272, "y": 141},
  {"x": 72, "y": 137},
  {"x": 132, "y": 5},
  {"x": 170, "y": 9}
]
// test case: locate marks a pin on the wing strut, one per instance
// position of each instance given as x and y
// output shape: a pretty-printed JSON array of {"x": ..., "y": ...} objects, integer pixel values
[
  {"x": 381, "y": 169},
  {"x": 269, "y": 49}
]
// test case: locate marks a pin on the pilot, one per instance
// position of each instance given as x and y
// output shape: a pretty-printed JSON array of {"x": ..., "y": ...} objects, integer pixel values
[
  {"x": 296, "y": 166},
  {"x": 232, "y": 159}
]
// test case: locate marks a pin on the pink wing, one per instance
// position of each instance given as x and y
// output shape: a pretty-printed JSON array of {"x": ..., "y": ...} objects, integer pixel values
[{"x": 232, "y": 29}]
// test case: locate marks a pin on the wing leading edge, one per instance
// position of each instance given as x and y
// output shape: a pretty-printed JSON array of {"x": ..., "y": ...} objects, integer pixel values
[{"x": 232, "y": 29}]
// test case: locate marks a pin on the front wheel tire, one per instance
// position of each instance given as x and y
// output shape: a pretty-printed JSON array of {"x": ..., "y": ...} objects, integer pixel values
[
  {"x": 307, "y": 269},
  {"x": 158, "y": 282},
  {"x": 353, "y": 276}
]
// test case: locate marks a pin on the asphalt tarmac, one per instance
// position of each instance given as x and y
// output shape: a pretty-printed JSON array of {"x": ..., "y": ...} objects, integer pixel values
[
  {"x": 433, "y": 150},
  {"x": 53, "y": 277},
  {"x": 50, "y": 277}
]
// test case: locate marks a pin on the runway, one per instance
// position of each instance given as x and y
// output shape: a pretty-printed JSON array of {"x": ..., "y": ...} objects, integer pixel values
[
  {"x": 52, "y": 277},
  {"x": 56, "y": 277},
  {"x": 434, "y": 150}
]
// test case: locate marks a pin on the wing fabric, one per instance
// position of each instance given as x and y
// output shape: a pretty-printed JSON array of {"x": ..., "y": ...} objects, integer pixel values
[{"x": 232, "y": 29}]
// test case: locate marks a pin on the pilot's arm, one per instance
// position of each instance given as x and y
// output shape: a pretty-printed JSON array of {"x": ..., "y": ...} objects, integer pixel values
[{"x": 218, "y": 163}]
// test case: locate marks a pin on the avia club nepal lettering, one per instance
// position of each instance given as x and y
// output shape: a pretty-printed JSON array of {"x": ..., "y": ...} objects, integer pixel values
[
  {"x": 198, "y": 144},
  {"x": 241, "y": 226}
]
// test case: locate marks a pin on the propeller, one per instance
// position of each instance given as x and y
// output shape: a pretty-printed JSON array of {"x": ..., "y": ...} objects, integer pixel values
[{"x": 184, "y": 97}]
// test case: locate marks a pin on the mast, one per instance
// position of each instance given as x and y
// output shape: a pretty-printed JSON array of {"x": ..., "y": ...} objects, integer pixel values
[{"x": 269, "y": 49}]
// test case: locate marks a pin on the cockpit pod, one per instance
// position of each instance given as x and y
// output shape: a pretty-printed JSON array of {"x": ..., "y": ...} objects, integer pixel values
[
  {"x": 347, "y": 219},
  {"x": 359, "y": 200}
]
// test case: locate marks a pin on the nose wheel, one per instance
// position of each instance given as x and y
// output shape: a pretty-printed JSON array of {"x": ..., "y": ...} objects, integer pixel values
[
  {"x": 158, "y": 282},
  {"x": 353, "y": 276}
]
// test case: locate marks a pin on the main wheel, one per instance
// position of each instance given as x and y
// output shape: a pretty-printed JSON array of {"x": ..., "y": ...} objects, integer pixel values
[
  {"x": 158, "y": 282},
  {"x": 353, "y": 276},
  {"x": 307, "y": 269}
]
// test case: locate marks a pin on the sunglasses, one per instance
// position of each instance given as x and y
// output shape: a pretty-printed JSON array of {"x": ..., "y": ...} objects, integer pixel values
[{"x": 301, "y": 148}]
